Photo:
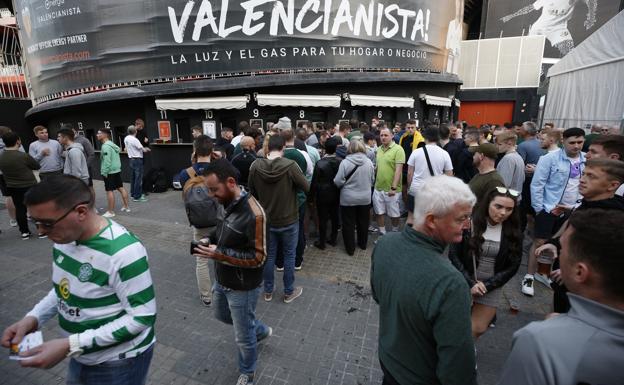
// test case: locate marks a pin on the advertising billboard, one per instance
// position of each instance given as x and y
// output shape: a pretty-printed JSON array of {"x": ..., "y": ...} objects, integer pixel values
[
  {"x": 74, "y": 44},
  {"x": 565, "y": 23}
]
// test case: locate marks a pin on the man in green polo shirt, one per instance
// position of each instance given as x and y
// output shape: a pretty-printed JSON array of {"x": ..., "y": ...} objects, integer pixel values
[{"x": 390, "y": 160}]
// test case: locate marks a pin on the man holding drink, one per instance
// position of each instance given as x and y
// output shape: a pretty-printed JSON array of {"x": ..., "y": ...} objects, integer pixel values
[
  {"x": 554, "y": 191},
  {"x": 239, "y": 252}
]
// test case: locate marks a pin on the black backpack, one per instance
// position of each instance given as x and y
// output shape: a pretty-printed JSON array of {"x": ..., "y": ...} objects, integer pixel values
[
  {"x": 148, "y": 181},
  {"x": 161, "y": 184},
  {"x": 201, "y": 209},
  {"x": 156, "y": 181}
]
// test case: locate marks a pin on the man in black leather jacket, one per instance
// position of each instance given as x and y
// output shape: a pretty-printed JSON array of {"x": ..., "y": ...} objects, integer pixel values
[{"x": 238, "y": 248}]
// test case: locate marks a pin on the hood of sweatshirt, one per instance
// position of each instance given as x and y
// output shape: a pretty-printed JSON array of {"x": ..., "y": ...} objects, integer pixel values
[
  {"x": 272, "y": 171},
  {"x": 75, "y": 145},
  {"x": 110, "y": 144},
  {"x": 615, "y": 203},
  {"x": 358, "y": 158}
]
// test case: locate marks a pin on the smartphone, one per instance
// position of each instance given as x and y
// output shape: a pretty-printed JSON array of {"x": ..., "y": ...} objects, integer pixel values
[{"x": 194, "y": 244}]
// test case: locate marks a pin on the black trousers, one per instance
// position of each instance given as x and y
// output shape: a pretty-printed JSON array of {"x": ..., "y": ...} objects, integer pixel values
[
  {"x": 525, "y": 204},
  {"x": 355, "y": 218},
  {"x": 387, "y": 378},
  {"x": 17, "y": 193},
  {"x": 327, "y": 212},
  {"x": 561, "y": 303}
]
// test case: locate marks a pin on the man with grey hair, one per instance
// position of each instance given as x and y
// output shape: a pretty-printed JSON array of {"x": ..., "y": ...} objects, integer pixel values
[
  {"x": 135, "y": 151},
  {"x": 284, "y": 123},
  {"x": 410, "y": 276}
]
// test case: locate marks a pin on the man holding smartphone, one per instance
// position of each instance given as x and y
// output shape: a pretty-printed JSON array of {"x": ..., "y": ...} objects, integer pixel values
[
  {"x": 239, "y": 252},
  {"x": 554, "y": 191}
]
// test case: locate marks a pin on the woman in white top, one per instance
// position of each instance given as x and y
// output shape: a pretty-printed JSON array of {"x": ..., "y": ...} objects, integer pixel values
[{"x": 489, "y": 254}]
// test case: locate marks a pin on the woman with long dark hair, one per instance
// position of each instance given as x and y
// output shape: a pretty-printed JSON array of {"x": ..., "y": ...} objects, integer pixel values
[{"x": 490, "y": 253}]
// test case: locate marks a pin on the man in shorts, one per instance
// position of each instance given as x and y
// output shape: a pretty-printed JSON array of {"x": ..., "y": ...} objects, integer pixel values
[
  {"x": 390, "y": 161},
  {"x": 110, "y": 168}
]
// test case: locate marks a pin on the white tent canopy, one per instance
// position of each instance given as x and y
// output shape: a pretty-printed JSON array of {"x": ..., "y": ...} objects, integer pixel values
[
  {"x": 587, "y": 85},
  {"x": 381, "y": 101},
  {"x": 273, "y": 100},
  {"x": 437, "y": 100},
  {"x": 215, "y": 103}
]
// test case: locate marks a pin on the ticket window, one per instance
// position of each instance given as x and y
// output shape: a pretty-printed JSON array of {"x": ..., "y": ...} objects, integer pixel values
[
  {"x": 434, "y": 115},
  {"x": 91, "y": 136},
  {"x": 119, "y": 134},
  {"x": 385, "y": 115},
  {"x": 182, "y": 128},
  {"x": 228, "y": 122}
]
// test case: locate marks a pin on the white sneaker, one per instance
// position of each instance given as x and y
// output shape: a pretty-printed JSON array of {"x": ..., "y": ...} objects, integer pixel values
[
  {"x": 245, "y": 379},
  {"x": 108, "y": 214},
  {"x": 13, "y": 222},
  {"x": 544, "y": 280},
  {"x": 527, "y": 285},
  {"x": 372, "y": 229},
  {"x": 126, "y": 209}
]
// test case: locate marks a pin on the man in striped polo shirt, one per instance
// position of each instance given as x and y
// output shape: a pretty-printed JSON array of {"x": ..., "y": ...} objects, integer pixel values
[{"x": 103, "y": 293}]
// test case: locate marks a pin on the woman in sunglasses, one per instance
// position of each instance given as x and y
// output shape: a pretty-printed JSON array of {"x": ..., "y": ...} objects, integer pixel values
[{"x": 490, "y": 253}]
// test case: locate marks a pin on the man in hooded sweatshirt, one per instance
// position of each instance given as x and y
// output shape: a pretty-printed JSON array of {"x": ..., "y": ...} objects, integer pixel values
[
  {"x": 110, "y": 168},
  {"x": 274, "y": 181},
  {"x": 75, "y": 160}
]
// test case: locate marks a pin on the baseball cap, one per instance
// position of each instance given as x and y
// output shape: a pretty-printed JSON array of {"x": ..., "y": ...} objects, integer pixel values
[
  {"x": 488, "y": 149},
  {"x": 283, "y": 124}
]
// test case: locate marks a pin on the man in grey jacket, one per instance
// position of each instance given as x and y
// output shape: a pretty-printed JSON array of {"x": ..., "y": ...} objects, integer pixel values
[
  {"x": 88, "y": 151},
  {"x": 47, "y": 152},
  {"x": 511, "y": 166},
  {"x": 586, "y": 345},
  {"x": 75, "y": 161}
]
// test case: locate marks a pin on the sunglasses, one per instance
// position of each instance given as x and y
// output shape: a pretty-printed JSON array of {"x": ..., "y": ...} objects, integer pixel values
[
  {"x": 504, "y": 190},
  {"x": 48, "y": 225}
]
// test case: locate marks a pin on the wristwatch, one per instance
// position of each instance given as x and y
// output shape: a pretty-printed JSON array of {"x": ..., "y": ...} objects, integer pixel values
[
  {"x": 74, "y": 346},
  {"x": 393, "y": 188}
]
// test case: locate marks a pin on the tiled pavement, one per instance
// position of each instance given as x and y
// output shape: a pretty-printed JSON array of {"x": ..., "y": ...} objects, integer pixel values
[{"x": 327, "y": 336}]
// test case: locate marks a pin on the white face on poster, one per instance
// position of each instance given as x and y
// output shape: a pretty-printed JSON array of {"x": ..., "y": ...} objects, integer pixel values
[
  {"x": 554, "y": 18},
  {"x": 454, "y": 38},
  {"x": 210, "y": 128}
]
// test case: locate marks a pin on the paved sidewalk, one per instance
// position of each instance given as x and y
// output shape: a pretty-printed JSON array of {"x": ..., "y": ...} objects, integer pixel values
[{"x": 327, "y": 336}]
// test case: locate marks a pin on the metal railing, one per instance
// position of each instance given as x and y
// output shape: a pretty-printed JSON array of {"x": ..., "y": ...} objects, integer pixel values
[{"x": 12, "y": 79}]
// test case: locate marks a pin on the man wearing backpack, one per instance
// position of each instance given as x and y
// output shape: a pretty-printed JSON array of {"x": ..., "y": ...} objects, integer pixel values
[{"x": 197, "y": 202}]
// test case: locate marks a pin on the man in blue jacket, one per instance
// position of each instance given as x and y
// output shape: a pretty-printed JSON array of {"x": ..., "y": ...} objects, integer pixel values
[{"x": 554, "y": 191}]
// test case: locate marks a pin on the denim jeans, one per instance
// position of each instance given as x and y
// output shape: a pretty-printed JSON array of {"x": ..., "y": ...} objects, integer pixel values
[
  {"x": 136, "y": 186},
  {"x": 287, "y": 238},
  {"x": 131, "y": 371},
  {"x": 238, "y": 308},
  {"x": 301, "y": 241}
]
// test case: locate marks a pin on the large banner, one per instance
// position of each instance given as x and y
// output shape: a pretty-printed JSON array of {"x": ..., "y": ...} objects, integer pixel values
[
  {"x": 565, "y": 23},
  {"x": 74, "y": 44}
]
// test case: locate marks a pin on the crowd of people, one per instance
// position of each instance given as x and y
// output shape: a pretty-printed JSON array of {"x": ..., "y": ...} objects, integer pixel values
[{"x": 472, "y": 197}]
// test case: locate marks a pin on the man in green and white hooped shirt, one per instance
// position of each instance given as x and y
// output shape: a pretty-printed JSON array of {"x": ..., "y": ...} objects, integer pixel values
[{"x": 103, "y": 293}]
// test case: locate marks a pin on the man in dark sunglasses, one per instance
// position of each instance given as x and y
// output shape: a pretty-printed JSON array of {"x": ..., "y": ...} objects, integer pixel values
[{"x": 103, "y": 294}]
